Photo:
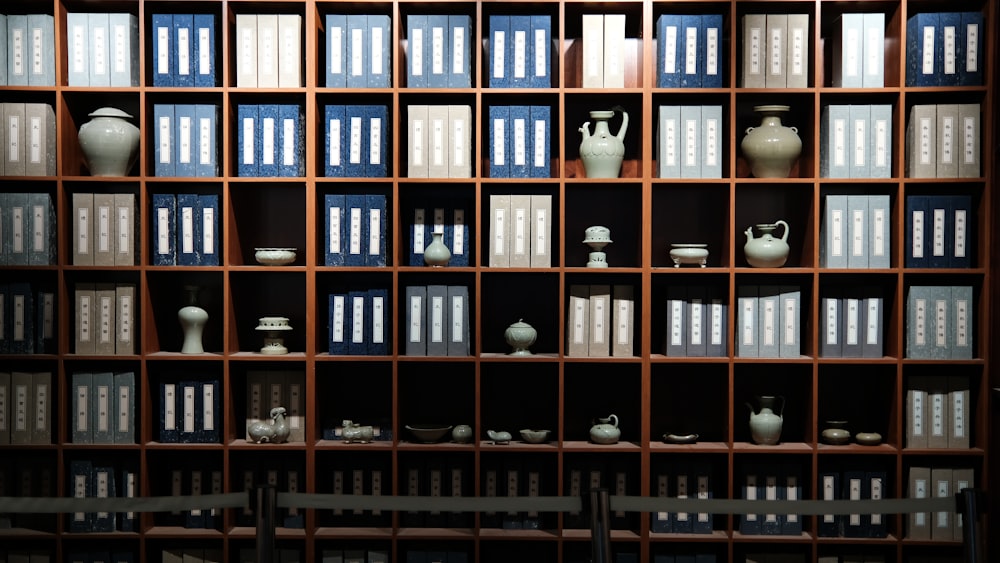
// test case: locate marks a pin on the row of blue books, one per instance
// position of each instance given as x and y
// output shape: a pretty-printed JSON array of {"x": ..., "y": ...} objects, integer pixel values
[
  {"x": 771, "y": 482},
  {"x": 945, "y": 49},
  {"x": 939, "y": 231},
  {"x": 270, "y": 140},
  {"x": 27, "y": 50},
  {"x": 184, "y": 50},
  {"x": 359, "y": 322},
  {"x": 185, "y": 140},
  {"x": 449, "y": 476},
  {"x": 438, "y": 217},
  {"x": 104, "y": 406},
  {"x": 520, "y": 51},
  {"x": 102, "y": 49},
  {"x": 683, "y": 480},
  {"x": 89, "y": 479},
  {"x": 358, "y": 49},
  {"x": 355, "y": 230},
  {"x": 853, "y": 320},
  {"x": 520, "y": 141},
  {"x": 193, "y": 481},
  {"x": 185, "y": 230},
  {"x": 438, "y": 51},
  {"x": 27, "y": 229},
  {"x": 852, "y": 485},
  {"x": 190, "y": 411},
  {"x": 689, "y": 51},
  {"x": 697, "y": 321},
  {"x": 437, "y": 321},
  {"x": 29, "y": 320},
  {"x": 357, "y": 138}
]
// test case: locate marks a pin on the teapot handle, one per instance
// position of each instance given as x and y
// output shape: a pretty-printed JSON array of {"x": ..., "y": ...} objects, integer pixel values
[
  {"x": 781, "y": 410},
  {"x": 784, "y": 235},
  {"x": 613, "y": 419}
]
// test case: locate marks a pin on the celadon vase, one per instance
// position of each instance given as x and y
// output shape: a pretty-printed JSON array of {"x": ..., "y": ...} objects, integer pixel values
[
  {"x": 192, "y": 319},
  {"x": 771, "y": 147},
  {"x": 602, "y": 152},
  {"x": 766, "y": 420},
  {"x": 110, "y": 143},
  {"x": 436, "y": 253}
]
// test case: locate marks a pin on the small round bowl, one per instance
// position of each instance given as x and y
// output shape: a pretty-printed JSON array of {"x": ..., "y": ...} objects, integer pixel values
[
  {"x": 868, "y": 438},
  {"x": 680, "y": 438},
  {"x": 428, "y": 433},
  {"x": 275, "y": 256},
  {"x": 535, "y": 436}
]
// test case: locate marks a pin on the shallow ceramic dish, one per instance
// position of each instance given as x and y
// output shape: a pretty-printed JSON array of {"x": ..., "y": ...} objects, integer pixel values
[
  {"x": 275, "y": 256},
  {"x": 535, "y": 436},
  {"x": 680, "y": 438},
  {"x": 428, "y": 433},
  {"x": 868, "y": 438}
]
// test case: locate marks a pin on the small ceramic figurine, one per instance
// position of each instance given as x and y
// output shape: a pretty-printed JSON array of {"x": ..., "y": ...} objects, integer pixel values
[
  {"x": 500, "y": 437},
  {"x": 356, "y": 433},
  {"x": 275, "y": 432}
]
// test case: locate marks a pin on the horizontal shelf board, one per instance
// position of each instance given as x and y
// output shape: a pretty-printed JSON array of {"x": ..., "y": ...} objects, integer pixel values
[
  {"x": 242, "y": 444},
  {"x": 327, "y": 357},
  {"x": 340, "y": 444},
  {"x": 945, "y": 451},
  {"x": 780, "y": 448},
  {"x": 889, "y": 539},
  {"x": 179, "y": 356},
  {"x": 660, "y": 358},
  {"x": 584, "y": 534},
  {"x": 715, "y": 536},
  {"x": 75, "y": 446},
  {"x": 279, "y": 532},
  {"x": 182, "y": 446},
  {"x": 257, "y": 356},
  {"x": 603, "y": 359},
  {"x": 535, "y": 357},
  {"x": 262, "y": 268},
  {"x": 702, "y": 447},
  {"x": 580, "y": 446},
  {"x": 517, "y": 446},
  {"x": 796, "y": 360},
  {"x": 753, "y": 538},
  {"x": 28, "y": 533},
  {"x": 461, "y": 533},
  {"x": 857, "y": 449},
  {"x": 180, "y": 532},
  {"x": 500, "y": 533},
  {"x": 353, "y": 532},
  {"x": 404, "y": 445}
]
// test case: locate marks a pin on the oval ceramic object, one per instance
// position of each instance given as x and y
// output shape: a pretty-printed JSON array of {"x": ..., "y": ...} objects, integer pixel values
[
  {"x": 437, "y": 253},
  {"x": 110, "y": 143},
  {"x": 535, "y": 436},
  {"x": 689, "y": 254},
  {"x": 868, "y": 438},
  {"x": 771, "y": 147},
  {"x": 520, "y": 336},
  {"x": 428, "y": 433},
  {"x": 835, "y": 433},
  {"x": 766, "y": 251},
  {"x": 680, "y": 438},
  {"x": 499, "y": 437},
  {"x": 462, "y": 433},
  {"x": 274, "y": 256}
]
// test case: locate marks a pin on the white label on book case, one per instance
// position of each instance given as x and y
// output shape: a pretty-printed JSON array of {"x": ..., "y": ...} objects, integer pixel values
[
  {"x": 84, "y": 321},
  {"x": 670, "y": 51},
  {"x": 498, "y": 46},
  {"x": 950, "y": 43},
  {"x": 162, "y": 235},
  {"x": 520, "y": 145},
  {"x": 457, "y": 50},
  {"x": 837, "y": 232},
  {"x": 35, "y": 140},
  {"x": 499, "y": 228},
  {"x": 881, "y": 143},
  {"x": 851, "y": 60},
  {"x": 860, "y": 142},
  {"x": 927, "y": 62},
  {"x": 690, "y": 50},
  {"x": 375, "y": 141},
  {"x": 107, "y": 318},
  {"x": 718, "y": 311},
  {"x": 926, "y": 150},
  {"x": 162, "y": 50},
  {"x": 960, "y": 232},
  {"x": 357, "y": 319},
  {"x": 78, "y": 50},
  {"x": 267, "y": 141},
  {"x": 676, "y": 322},
  {"x": 378, "y": 316},
  {"x": 208, "y": 230},
  {"x": 775, "y": 51},
  {"x": 124, "y": 398},
  {"x": 335, "y": 142},
  {"x": 458, "y": 236},
  {"x": 873, "y": 50},
  {"x": 770, "y": 319},
  {"x": 969, "y": 128},
  {"x": 790, "y": 318},
  {"x": 288, "y": 142},
  {"x": 125, "y": 319},
  {"x": 597, "y": 323},
  {"x": 248, "y": 155},
  {"x": 103, "y": 228},
  {"x": 938, "y": 423},
  {"x": 18, "y": 318},
  {"x": 187, "y": 230},
  {"x": 829, "y": 493},
  {"x": 416, "y": 303},
  {"x": 184, "y": 140},
  {"x": 520, "y": 54},
  {"x": 690, "y": 142},
  {"x": 337, "y": 330},
  {"x": 354, "y": 240},
  {"x": 755, "y": 49},
  {"x": 972, "y": 47},
  {"x": 457, "y": 318},
  {"x": 204, "y": 52},
  {"x": 711, "y": 142},
  {"x": 189, "y": 414},
  {"x": 498, "y": 142},
  {"x": 938, "y": 244},
  {"x": 858, "y": 232},
  {"x": 941, "y": 323},
  {"x": 748, "y": 306},
  {"x": 458, "y": 140},
  {"x": 958, "y": 415},
  {"x": 853, "y": 317},
  {"x": 336, "y": 56},
  {"x": 624, "y": 318},
  {"x": 696, "y": 322},
  {"x": 712, "y": 54},
  {"x": 520, "y": 231},
  {"x": 437, "y": 319},
  {"x": 416, "y": 52},
  {"x": 204, "y": 140},
  {"x": 540, "y": 231},
  {"x": 267, "y": 50},
  {"x": 798, "y": 52},
  {"x": 948, "y": 140},
  {"x": 670, "y": 134},
  {"x": 840, "y": 142},
  {"x": 38, "y": 238},
  {"x": 539, "y": 144},
  {"x": 376, "y": 54},
  {"x": 872, "y": 320},
  {"x": 541, "y": 38},
  {"x": 920, "y": 322},
  {"x": 183, "y": 52},
  {"x": 354, "y": 151},
  {"x": 962, "y": 323},
  {"x": 17, "y": 220},
  {"x": 917, "y": 242},
  {"x": 579, "y": 309},
  {"x": 169, "y": 406},
  {"x": 357, "y": 52},
  {"x": 437, "y": 142}
]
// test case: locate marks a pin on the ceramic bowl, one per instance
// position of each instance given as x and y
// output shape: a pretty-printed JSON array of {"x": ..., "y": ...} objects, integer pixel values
[
  {"x": 275, "y": 256},
  {"x": 868, "y": 438},
  {"x": 535, "y": 436},
  {"x": 428, "y": 433},
  {"x": 680, "y": 438}
]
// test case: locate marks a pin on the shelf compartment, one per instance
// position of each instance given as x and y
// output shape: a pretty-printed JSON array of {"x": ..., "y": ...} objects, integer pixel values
[
  {"x": 165, "y": 295},
  {"x": 699, "y": 409},
  {"x": 576, "y": 112},
  {"x": 266, "y": 294},
  {"x": 257, "y": 213}
]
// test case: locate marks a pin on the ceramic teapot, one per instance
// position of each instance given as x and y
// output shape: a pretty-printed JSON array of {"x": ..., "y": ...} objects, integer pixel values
[
  {"x": 605, "y": 430},
  {"x": 602, "y": 152},
  {"x": 766, "y": 420},
  {"x": 766, "y": 251}
]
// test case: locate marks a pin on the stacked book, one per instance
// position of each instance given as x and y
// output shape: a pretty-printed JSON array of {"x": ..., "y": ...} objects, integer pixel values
[
  {"x": 269, "y": 389},
  {"x": 28, "y": 46},
  {"x": 772, "y": 481},
  {"x": 689, "y": 142},
  {"x": 696, "y": 321},
  {"x": 857, "y": 484},
  {"x": 939, "y": 322},
  {"x": 859, "y": 50},
  {"x": 355, "y": 229},
  {"x": 689, "y": 51},
  {"x": 768, "y": 321},
  {"x": 683, "y": 480},
  {"x": 943, "y": 141},
  {"x": 775, "y": 51},
  {"x": 437, "y": 321},
  {"x": 27, "y": 229},
  {"x": 853, "y": 320},
  {"x": 438, "y": 51},
  {"x": 268, "y": 50},
  {"x": 193, "y": 481},
  {"x": 935, "y": 482},
  {"x": 432, "y": 218},
  {"x": 938, "y": 231},
  {"x": 190, "y": 411},
  {"x": 520, "y": 139},
  {"x": 185, "y": 140},
  {"x": 855, "y": 141},
  {"x": 28, "y": 322},
  {"x": 520, "y": 231},
  {"x": 184, "y": 52},
  {"x": 104, "y": 405},
  {"x": 603, "y": 50},
  {"x": 855, "y": 231},
  {"x": 521, "y": 50},
  {"x": 270, "y": 140},
  {"x": 938, "y": 411},
  {"x": 359, "y": 322},
  {"x": 29, "y": 138},
  {"x": 26, "y": 403},
  {"x": 510, "y": 478},
  {"x": 601, "y": 321},
  {"x": 945, "y": 49},
  {"x": 185, "y": 229},
  {"x": 356, "y": 141},
  {"x": 105, "y": 229},
  {"x": 357, "y": 47},
  {"x": 103, "y": 49},
  {"x": 440, "y": 141},
  {"x": 97, "y": 479},
  {"x": 105, "y": 317},
  {"x": 351, "y": 475}
]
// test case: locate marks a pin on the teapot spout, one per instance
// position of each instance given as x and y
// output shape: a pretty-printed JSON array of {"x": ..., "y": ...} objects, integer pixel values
[
  {"x": 749, "y": 233},
  {"x": 585, "y": 129}
]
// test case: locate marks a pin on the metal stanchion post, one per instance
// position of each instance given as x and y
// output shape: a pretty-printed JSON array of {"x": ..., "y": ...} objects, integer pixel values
[
  {"x": 267, "y": 502},
  {"x": 969, "y": 503},
  {"x": 600, "y": 529}
]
